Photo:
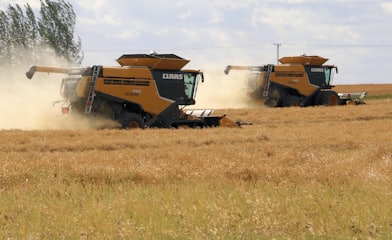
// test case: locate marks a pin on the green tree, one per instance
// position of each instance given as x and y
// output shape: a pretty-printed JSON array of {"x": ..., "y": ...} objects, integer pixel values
[
  {"x": 23, "y": 36},
  {"x": 31, "y": 33},
  {"x": 31, "y": 29},
  {"x": 4, "y": 38},
  {"x": 56, "y": 28},
  {"x": 19, "y": 39},
  {"x": 17, "y": 27}
]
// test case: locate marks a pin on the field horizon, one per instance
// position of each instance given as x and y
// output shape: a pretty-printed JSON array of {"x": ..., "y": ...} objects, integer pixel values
[{"x": 371, "y": 89}]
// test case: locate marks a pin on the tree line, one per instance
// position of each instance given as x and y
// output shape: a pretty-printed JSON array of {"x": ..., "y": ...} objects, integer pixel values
[{"x": 24, "y": 35}]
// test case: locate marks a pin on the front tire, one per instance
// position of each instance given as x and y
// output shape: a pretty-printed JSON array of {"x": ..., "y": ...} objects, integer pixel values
[
  {"x": 329, "y": 98},
  {"x": 276, "y": 96},
  {"x": 291, "y": 101},
  {"x": 131, "y": 120}
]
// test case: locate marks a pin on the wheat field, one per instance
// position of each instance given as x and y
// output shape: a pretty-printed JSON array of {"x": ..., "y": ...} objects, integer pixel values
[
  {"x": 371, "y": 89},
  {"x": 296, "y": 173}
]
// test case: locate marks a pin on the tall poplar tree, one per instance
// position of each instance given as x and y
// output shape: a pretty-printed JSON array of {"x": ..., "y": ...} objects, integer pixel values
[
  {"x": 56, "y": 28},
  {"x": 4, "y": 38},
  {"x": 23, "y": 35}
]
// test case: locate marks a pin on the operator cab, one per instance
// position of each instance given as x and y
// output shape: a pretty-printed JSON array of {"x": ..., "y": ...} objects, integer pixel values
[
  {"x": 68, "y": 88},
  {"x": 191, "y": 81},
  {"x": 179, "y": 86},
  {"x": 321, "y": 75}
]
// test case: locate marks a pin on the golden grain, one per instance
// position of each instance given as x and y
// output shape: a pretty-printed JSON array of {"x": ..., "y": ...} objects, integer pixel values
[{"x": 295, "y": 173}]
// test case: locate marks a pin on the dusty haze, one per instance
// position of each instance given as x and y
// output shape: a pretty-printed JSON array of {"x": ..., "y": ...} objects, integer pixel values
[
  {"x": 28, "y": 104},
  {"x": 220, "y": 91}
]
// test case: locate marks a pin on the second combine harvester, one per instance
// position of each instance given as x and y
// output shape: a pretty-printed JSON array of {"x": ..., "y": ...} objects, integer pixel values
[
  {"x": 297, "y": 81},
  {"x": 147, "y": 90}
]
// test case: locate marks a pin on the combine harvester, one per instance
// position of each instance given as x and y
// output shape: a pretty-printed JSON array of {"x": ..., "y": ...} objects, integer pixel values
[
  {"x": 147, "y": 90},
  {"x": 297, "y": 81}
]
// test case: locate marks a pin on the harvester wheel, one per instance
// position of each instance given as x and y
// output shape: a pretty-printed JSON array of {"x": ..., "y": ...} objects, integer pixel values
[
  {"x": 130, "y": 120},
  {"x": 317, "y": 99},
  {"x": 329, "y": 98},
  {"x": 275, "y": 97},
  {"x": 291, "y": 101}
]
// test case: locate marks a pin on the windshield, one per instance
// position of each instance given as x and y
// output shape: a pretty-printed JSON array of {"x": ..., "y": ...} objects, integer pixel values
[
  {"x": 190, "y": 82},
  {"x": 327, "y": 72},
  {"x": 329, "y": 75}
]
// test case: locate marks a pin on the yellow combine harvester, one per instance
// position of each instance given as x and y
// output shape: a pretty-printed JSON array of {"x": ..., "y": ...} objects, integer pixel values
[
  {"x": 297, "y": 81},
  {"x": 146, "y": 90}
]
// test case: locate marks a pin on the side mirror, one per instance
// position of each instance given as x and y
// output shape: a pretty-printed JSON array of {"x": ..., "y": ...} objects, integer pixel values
[{"x": 200, "y": 76}]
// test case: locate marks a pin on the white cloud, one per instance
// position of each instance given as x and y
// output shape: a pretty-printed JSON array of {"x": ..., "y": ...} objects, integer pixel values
[
  {"x": 296, "y": 24},
  {"x": 126, "y": 35},
  {"x": 100, "y": 13},
  {"x": 233, "y": 4},
  {"x": 185, "y": 14},
  {"x": 278, "y": 18},
  {"x": 387, "y": 6},
  {"x": 109, "y": 19},
  {"x": 97, "y": 6},
  {"x": 216, "y": 16},
  {"x": 220, "y": 37},
  {"x": 35, "y": 4},
  {"x": 162, "y": 32},
  {"x": 213, "y": 31},
  {"x": 190, "y": 34}
]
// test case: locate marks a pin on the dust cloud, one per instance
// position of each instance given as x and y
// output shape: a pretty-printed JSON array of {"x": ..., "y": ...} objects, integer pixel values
[
  {"x": 221, "y": 91},
  {"x": 28, "y": 104}
]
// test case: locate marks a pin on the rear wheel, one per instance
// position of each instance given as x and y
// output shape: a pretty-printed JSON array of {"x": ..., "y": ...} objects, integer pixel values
[
  {"x": 291, "y": 101},
  {"x": 317, "y": 98},
  {"x": 276, "y": 96},
  {"x": 130, "y": 120},
  {"x": 329, "y": 98}
]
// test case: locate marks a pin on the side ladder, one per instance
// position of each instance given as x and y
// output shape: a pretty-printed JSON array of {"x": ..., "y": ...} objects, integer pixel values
[
  {"x": 91, "y": 91},
  {"x": 267, "y": 81}
]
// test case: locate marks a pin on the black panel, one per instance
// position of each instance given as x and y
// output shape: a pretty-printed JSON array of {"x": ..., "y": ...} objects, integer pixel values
[
  {"x": 171, "y": 85},
  {"x": 316, "y": 75}
]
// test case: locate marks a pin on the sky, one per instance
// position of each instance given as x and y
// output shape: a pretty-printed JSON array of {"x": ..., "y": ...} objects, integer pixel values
[{"x": 356, "y": 36}]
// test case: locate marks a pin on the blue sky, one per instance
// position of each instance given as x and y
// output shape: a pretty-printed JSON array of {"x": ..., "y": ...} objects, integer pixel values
[{"x": 355, "y": 35}]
